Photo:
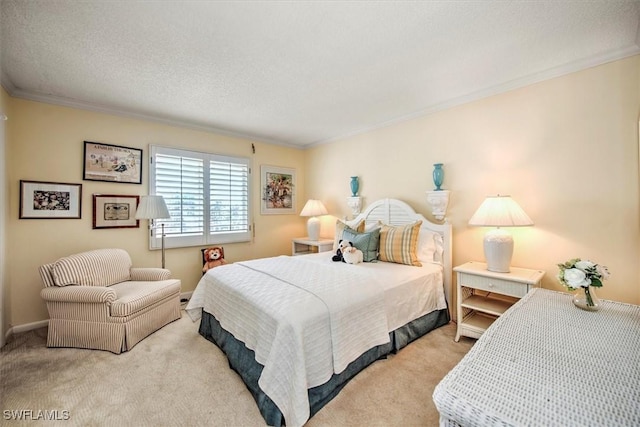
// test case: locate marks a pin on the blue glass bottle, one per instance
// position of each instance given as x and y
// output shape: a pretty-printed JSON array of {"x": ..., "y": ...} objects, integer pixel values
[
  {"x": 438, "y": 175},
  {"x": 354, "y": 186}
]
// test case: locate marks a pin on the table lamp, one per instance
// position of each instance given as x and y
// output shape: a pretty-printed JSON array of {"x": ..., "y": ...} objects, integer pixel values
[
  {"x": 313, "y": 208},
  {"x": 499, "y": 211},
  {"x": 152, "y": 208}
]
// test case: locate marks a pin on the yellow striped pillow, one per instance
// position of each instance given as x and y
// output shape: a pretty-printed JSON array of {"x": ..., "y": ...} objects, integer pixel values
[{"x": 398, "y": 244}]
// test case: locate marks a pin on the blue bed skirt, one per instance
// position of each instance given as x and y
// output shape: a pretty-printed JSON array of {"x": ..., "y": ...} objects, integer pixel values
[{"x": 242, "y": 360}]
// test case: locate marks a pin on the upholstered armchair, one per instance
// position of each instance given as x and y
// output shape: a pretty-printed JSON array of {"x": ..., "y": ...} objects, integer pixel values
[{"x": 96, "y": 300}]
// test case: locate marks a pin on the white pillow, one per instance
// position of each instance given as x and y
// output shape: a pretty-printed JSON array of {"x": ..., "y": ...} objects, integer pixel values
[{"x": 430, "y": 247}]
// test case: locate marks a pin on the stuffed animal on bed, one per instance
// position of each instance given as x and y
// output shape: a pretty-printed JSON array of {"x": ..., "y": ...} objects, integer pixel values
[
  {"x": 352, "y": 255},
  {"x": 213, "y": 257},
  {"x": 342, "y": 245}
]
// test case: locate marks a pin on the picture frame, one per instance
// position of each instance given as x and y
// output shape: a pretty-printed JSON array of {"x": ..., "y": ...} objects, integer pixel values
[
  {"x": 50, "y": 200},
  {"x": 115, "y": 211},
  {"x": 277, "y": 187},
  {"x": 112, "y": 163}
]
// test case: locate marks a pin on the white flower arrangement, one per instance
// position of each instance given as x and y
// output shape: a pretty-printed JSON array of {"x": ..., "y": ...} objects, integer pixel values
[{"x": 577, "y": 273}]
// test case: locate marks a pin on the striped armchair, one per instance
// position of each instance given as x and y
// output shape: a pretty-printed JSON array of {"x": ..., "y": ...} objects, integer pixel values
[{"x": 96, "y": 300}]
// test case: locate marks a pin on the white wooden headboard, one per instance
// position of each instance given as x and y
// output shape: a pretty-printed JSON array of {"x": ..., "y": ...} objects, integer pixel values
[{"x": 397, "y": 212}]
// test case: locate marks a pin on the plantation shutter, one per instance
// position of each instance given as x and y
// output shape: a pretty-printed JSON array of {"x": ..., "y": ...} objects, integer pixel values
[
  {"x": 207, "y": 196},
  {"x": 229, "y": 196}
]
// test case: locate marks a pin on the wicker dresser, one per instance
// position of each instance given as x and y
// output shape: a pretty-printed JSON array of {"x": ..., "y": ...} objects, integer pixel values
[{"x": 546, "y": 362}]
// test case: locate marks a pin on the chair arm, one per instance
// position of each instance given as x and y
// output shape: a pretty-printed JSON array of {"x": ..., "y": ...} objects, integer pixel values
[
  {"x": 86, "y": 294},
  {"x": 150, "y": 274}
]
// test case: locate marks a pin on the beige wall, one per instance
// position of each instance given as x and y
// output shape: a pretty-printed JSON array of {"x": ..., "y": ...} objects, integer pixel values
[
  {"x": 565, "y": 149},
  {"x": 45, "y": 143}
]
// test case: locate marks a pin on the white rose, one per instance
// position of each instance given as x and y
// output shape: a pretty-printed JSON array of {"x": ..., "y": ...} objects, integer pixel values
[
  {"x": 576, "y": 278},
  {"x": 603, "y": 271},
  {"x": 583, "y": 265}
]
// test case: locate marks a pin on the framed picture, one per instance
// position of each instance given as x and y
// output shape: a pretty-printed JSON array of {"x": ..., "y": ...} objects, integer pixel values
[
  {"x": 113, "y": 163},
  {"x": 50, "y": 200},
  {"x": 278, "y": 190},
  {"x": 114, "y": 211}
]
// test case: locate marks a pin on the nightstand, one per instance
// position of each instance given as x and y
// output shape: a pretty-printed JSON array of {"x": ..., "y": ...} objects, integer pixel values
[
  {"x": 483, "y": 295},
  {"x": 302, "y": 246}
]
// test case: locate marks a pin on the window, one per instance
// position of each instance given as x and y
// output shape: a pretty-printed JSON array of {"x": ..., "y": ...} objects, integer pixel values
[{"x": 207, "y": 196}]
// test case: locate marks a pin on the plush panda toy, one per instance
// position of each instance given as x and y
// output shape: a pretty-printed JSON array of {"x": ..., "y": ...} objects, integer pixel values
[
  {"x": 342, "y": 245},
  {"x": 352, "y": 255}
]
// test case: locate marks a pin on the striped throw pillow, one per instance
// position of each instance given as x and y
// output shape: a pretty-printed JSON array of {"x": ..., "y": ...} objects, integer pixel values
[{"x": 398, "y": 244}]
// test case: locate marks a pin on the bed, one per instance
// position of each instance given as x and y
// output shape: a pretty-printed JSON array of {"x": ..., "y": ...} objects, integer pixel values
[
  {"x": 546, "y": 362},
  {"x": 298, "y": 328}
]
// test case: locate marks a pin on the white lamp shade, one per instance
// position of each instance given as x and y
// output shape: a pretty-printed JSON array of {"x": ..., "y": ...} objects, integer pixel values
[
  {"x": 499, "y": 211},
  {"x": 313, "y": 208},
  {"x": 152, "y": 207}
]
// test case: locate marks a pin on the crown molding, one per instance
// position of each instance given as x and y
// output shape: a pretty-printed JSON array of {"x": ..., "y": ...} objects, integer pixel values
[{"x": 549, "y": 74}]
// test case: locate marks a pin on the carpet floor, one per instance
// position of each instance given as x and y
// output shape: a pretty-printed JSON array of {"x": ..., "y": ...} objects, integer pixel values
[{"x": 175, "y": 377}]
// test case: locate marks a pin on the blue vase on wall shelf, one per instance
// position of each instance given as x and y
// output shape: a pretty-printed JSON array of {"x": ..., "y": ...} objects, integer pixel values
[
  {"x": 438, "y": 175},
  {"x": 355, "y": 185}
]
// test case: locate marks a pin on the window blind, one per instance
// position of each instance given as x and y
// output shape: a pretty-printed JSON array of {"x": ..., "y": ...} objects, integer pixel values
[{"x": 207, "y": 196}]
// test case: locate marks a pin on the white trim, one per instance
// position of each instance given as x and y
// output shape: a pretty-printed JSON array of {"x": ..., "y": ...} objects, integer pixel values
[
  {"x": 568, "y": 68},
  {"x": 549, "y": 74},
  {"x": 18, "y": 329}
]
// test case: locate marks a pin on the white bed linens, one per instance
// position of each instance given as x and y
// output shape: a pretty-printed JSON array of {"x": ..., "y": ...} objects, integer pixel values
[
  {"x": 545, "y": 362},
  {"x": 409, "y": 292},
  {"x": 304, "y": 320}
]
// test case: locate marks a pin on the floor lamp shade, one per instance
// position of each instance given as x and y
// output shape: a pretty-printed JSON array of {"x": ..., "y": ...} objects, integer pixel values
[
  {"x": 152, "y": 208},
  {"x": 313, "y": 208},
  {"x": 499, "y": 211}
]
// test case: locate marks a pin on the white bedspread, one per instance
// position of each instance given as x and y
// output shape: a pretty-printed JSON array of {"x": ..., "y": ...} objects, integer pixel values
[{"x": 304, "y": 320}]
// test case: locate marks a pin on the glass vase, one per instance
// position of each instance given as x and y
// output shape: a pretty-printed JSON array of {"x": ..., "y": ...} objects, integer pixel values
[
  {"x": 438, "y": 175},
  {"x": 586, "y": 299}
]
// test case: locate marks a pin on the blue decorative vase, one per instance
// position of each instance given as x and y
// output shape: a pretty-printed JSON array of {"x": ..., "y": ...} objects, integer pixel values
[
  {"x": 438, "y": 175},
  {"x": 354, "y": 186}
]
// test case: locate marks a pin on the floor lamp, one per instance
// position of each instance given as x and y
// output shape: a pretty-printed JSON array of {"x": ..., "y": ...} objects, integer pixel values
[{"x": 152, "y": 208}]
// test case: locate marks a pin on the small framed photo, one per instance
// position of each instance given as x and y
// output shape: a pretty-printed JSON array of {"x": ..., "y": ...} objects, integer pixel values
[
  {"x": 50, "y": 200},
  {"x": 113, "y": 163},
  {"x": 114, "y": 211},
  {"x": 277, "y": 187}
]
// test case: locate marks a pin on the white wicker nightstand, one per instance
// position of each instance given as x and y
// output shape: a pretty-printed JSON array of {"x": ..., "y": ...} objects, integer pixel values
[{"x": 482, "y": 295}]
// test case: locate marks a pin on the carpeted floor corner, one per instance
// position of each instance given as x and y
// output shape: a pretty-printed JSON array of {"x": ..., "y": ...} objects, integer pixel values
[{"x": 177, "y": 378}]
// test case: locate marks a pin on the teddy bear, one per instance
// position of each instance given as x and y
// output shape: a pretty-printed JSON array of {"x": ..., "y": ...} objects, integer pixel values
[
  {"x": 352, "y": 255},
  {"x": 342, "y": 245},
  {"x": 213, "y": 257}
]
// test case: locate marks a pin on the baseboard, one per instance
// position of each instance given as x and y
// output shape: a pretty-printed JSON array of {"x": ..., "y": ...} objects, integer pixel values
[
  {"x": 185, "y": 296},
  {"x": 26, "y": 328}
]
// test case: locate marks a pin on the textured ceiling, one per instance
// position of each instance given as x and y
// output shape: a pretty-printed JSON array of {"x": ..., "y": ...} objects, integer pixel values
[{"x": 298, "y": 73}]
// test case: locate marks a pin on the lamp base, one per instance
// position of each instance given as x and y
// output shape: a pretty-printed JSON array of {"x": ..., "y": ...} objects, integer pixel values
[
  {"x": 313, "y": 228},
  {"x": 498, "y": 250}
]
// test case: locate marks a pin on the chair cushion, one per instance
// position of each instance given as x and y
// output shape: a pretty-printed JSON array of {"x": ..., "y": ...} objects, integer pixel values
[
  {"x": 101, "y": 267},
  {"x": 134, "y": 296}
]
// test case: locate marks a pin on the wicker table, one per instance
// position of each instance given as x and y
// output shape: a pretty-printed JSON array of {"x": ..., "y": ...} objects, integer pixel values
[{"x": 546, "y": 362}]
